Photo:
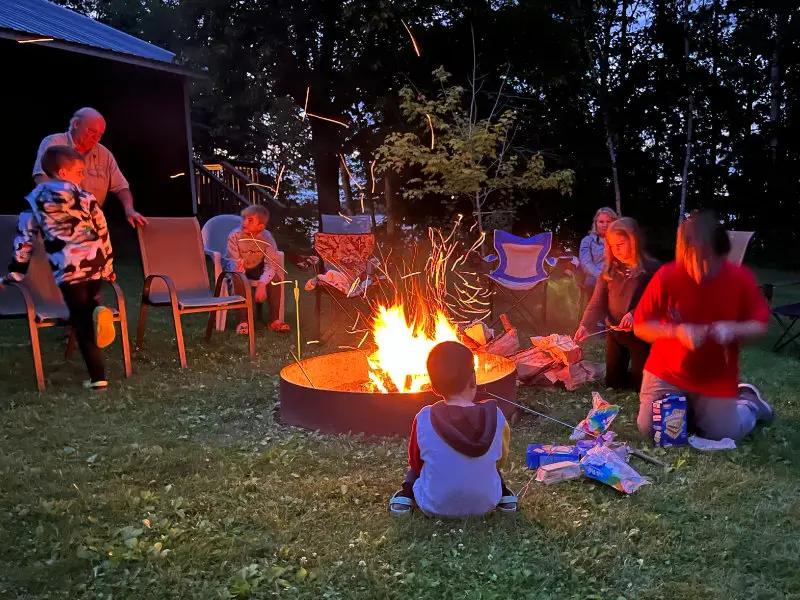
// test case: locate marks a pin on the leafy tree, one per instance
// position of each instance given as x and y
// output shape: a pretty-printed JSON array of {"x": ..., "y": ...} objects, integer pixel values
[{"x": 461, "y": 156}]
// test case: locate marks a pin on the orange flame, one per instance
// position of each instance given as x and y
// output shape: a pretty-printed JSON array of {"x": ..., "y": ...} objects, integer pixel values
[{"x": 403, "y": 348}]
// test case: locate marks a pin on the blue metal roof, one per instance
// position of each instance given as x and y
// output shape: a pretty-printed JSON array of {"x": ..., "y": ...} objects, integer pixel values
[{"x": 45, "y": 19}]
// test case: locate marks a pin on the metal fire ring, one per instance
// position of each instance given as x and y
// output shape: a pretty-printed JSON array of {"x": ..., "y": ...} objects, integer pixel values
[{"x": 328, "y": 408}]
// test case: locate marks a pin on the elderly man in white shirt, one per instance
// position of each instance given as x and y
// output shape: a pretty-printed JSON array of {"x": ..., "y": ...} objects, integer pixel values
[{"x": 101, "y": 173}]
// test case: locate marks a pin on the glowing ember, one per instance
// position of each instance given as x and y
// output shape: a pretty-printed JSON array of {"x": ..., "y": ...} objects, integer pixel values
[{"x": 399, "y": 362}]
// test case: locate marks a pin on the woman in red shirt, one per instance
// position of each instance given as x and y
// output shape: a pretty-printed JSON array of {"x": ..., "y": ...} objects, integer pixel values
[{"x": 695, "y": 313}]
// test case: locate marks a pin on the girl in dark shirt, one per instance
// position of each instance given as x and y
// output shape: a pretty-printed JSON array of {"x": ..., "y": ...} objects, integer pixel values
[{"x": 625, "y": 275}]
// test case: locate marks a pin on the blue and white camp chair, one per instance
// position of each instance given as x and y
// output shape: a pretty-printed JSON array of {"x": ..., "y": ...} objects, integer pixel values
[{"x": 520, "y": 268}]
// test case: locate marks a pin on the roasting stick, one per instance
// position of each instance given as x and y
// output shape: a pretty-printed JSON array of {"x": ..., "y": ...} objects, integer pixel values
[
  {"x": 633, "y": 451},
  {"x": 302, "y": 369}
]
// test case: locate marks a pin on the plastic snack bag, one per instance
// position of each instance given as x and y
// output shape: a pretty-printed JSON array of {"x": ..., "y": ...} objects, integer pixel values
[
  {"x": 605, "y": 465},
  {"x": 598, "y": 420}
]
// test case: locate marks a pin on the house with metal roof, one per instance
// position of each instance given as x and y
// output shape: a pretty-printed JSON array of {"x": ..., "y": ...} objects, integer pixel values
[{"x": 56, "y": 61}]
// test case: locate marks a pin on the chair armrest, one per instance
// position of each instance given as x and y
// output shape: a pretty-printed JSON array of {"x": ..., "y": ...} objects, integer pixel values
[
  {"x": 768, "y": 289},
  {"x": 117, "y": 292},
  {"x": 216, "y": 258},
  {"x": 171, "y": 289},
  {"x": 243, "y": 280}
]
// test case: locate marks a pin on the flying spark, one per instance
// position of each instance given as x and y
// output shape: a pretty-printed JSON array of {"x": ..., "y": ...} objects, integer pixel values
[
  {"x": 305, "y": 106},
  {"x": 350, "y": 175},
  {"x": 177, "y": 175},
  {"x": 411, "y": 35},
  {"x": 35, "y": 40},
  {"x": 433, "y": 137},
  {"x": 345, "y": 125}
]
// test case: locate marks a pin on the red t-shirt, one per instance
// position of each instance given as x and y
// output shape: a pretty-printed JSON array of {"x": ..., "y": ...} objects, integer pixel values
[{"x": 674, "y": 297}]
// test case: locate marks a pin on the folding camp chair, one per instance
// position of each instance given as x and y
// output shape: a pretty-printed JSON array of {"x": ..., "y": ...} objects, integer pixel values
[
  {"x": 176, "y": 276},
  {"x": 349, "y": 255},
  {"x": 38, "y": 300},
  {"x": 215, "y": 234},
  {"x": 739, "y": 242},
  {"x": 787, "y": 316},
  {"x": 520, "y": 269}
]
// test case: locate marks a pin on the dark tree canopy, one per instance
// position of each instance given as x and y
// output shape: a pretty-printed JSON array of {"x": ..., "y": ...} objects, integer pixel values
[{"x": 595, "y": 84}]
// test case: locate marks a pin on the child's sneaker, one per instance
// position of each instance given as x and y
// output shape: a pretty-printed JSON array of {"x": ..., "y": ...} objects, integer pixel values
[
  {"x": 95, "y": 385},
  {"x": 278, "y": 327},
  {"x": 401, "y": 505},
  {"x": 507, "y": 504},
  {"x": 242, "y": 329},
  {"x": 104, "y": 332}
]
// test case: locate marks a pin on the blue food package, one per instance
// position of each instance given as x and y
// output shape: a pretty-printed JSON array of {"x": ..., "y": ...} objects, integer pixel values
[
  {"x": 539, "y": 455},
  {"x": 669, "y": 421}
]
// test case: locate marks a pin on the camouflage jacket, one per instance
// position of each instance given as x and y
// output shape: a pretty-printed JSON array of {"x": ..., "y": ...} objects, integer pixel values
[{"x": 73, "y": 229}]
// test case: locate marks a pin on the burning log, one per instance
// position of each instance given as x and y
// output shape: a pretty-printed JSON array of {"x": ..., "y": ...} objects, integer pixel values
[
  {"x": 507, "y": 342},
  {"x": 479, "y": 338}
]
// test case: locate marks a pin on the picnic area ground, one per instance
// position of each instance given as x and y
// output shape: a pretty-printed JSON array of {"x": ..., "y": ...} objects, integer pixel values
[{"x": 184, "y": 484}]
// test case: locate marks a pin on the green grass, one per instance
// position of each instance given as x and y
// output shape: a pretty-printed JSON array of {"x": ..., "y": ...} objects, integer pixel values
[{"x": 182, "y": 484}]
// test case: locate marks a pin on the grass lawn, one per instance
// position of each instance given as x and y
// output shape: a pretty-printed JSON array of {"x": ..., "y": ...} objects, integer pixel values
[{"x": 183, "y": 484}]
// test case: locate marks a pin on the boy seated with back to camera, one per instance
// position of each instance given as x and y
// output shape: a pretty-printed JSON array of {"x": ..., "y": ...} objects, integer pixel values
[{"x": 457, "y": 446}]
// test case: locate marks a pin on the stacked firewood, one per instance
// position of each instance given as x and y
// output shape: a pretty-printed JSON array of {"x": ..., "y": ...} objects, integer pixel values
[{"x": 550, "y": 359}]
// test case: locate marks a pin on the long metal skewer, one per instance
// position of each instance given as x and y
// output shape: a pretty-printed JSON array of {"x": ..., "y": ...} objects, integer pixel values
[{"x": 633, "y": 451}]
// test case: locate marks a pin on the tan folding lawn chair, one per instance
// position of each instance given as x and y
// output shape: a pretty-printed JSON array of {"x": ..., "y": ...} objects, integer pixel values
[
  {"x": 176, "y": 277},
  {"x": 739, "y": 242},
  {"x": 38, "y": 300},
  {"x": 215, "y": 234}
]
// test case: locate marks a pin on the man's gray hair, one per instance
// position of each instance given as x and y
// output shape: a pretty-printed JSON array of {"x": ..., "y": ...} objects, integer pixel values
[{"x": 82, "y": 113}]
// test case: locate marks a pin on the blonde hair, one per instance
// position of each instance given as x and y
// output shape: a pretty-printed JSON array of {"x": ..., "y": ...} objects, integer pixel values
[
  {"x": 602, "y": 211},
  {"x": 259, "y": 212},
  {"x": 630, "y": 229}
]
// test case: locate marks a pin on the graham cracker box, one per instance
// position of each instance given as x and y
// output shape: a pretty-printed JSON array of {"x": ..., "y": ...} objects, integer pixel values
[{"x": 669, "y": 421}]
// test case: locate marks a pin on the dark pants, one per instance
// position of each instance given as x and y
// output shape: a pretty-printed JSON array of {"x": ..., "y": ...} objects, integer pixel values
[
  {"x": 624, "y": 348},
  {"x": 273, "y": 294},
  {"x": 82, "y": 298}
]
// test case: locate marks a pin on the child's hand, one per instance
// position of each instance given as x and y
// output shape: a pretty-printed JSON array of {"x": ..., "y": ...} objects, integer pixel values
[
  {"x": 626, "y": 323},
  {"x": 261, "y": 292},
  {"x": 581, "y": 334}
]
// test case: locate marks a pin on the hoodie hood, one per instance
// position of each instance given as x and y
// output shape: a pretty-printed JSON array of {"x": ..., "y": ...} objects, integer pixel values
[{"x": 469, "y": 430}]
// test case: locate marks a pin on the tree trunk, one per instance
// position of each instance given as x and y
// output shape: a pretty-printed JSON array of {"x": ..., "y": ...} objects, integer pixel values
[
  {"x": 325, "y": 150},
  {"x": 387, "y": 180},
  {"x": 775, "y": 100},
  {"x": 712, "y": 110},
  {"x": 347, "y": 189},
  {"x": 614, "y": 174},
  {"x": 599, "y": 67},
  {"x": 689, "y": 114}
]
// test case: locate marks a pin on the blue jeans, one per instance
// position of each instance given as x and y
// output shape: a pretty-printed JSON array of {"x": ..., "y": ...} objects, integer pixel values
[{"x": 711, "y": 418}]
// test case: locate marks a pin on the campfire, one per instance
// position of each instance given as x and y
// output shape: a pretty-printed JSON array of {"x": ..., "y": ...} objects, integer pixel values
[
  {"x": 398, "y": 363},
  {"x": 379, "y": 384},
  {"x": 379, "y": 392}
]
